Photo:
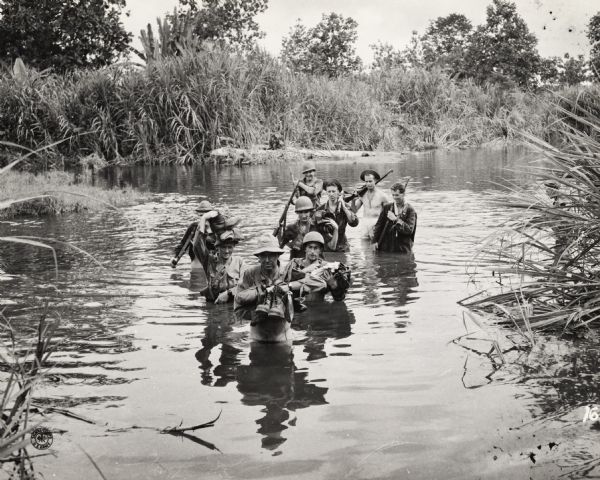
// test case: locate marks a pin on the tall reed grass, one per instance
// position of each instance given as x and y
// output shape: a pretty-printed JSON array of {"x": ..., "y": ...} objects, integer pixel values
[
  {"x": 177, "y": 109},
  {"x": 549, "y": 253}
]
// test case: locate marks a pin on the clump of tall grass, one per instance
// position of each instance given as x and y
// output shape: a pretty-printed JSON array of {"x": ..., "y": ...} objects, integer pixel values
[
  {"x": 53, "y": 193},
  {"x": 431, "y": 110},
  {"x": 548, "y": 255},
  {"x": 22, "y": 360},
  {"x": 178, "y": 108}
]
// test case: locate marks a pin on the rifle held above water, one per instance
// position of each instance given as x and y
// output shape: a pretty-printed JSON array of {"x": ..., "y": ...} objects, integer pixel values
[
  {"x": 281, "y": 224},
  {"x": 348, "y": 197}
]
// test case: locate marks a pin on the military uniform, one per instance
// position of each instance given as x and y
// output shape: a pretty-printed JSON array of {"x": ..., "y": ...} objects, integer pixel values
[
  {"x": 396, "y": 236},
  {"x": 221, "y": 276},
  {"x": 342, "y": 219}
]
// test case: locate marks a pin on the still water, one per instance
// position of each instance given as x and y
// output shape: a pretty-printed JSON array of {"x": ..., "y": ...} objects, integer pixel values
[{"x": 372, "y": 388}]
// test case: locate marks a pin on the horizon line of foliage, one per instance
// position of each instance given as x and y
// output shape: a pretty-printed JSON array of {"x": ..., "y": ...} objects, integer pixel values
[
  {"x": 69, "y": 34},
  {"x": 178, "y": 108}
]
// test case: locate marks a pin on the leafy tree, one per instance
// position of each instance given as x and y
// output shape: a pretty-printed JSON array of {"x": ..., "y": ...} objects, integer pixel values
[
  {"x": 593, "y": 34},
  {"x": 557, "y": 71},
  {"x": 229, "y": 21},
  {"x": 385, "y": 56},
  {"x": 503, "y": 50},
  {"x": 62, "y": 34},
  {"x": 445, "y": 42},
  {"x": 327, "y": 48},
  {"x": 575, "y": 70}
]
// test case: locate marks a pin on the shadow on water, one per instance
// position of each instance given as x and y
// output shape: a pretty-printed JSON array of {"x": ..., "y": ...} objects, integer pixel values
[{"x": 271, "y": 378}]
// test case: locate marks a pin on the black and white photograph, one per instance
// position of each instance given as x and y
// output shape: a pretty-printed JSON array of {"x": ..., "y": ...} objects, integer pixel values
[{"x": 308, "y": 240}]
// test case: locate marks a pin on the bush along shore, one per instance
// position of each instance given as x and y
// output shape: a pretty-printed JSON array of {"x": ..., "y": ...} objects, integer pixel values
[
  {"x": 548, "y": 254},
  {"x": 180, "y": 108},
  {"x": 53, "y": 193}
]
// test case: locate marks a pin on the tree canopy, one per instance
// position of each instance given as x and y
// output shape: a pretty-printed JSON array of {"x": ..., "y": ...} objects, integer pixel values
[
  {"x": 503, "y": 49},
  {"x": 327, "y": 48},
  {"x": 62, "y": 34},
  {"x": 446, "y": 40},
  {"x": 593, "y": 34},
  {"x": 230, "y": 21}
]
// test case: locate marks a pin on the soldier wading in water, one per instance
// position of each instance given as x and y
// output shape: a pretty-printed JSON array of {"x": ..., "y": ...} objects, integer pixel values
[
  {"x": 372, "y": 202},
  {"x": 294, "y": 233},
  {"x": 335, "y": 276},
  {"x": 310, "y": 186},
  {"x": 397, "y": 223},
  {"x": 222, "y": 268},
  {"x": 265, "y": 286}
]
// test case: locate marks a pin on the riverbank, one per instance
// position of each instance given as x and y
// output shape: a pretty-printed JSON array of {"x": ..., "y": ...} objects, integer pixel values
[
  {"x": 54, "y": 193},
  {"x": 179, "y": 109}
]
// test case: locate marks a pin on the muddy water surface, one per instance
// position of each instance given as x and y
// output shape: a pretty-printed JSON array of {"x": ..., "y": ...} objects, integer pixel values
[{"x": 372, "y": 387}]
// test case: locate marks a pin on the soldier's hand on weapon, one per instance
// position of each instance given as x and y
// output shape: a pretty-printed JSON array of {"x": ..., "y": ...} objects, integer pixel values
[
  {"x": 173, "y": 262},
  {"x": 331, "y": 222},
  {"x": 223, "y": 297},
  {"x": 211, "y": 214},
  {"x": 391, "y": 216}
]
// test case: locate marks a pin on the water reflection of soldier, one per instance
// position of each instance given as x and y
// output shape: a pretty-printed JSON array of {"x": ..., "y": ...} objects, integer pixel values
[
  {"x": 400, "y": 274},
  {"x": 341, "y": 214},
  {"x": 218, "y": 329},
  {"x": 294, "y": 233},
  {"x": 326, "y": 321},
  {"x": 271, "y": 380}
]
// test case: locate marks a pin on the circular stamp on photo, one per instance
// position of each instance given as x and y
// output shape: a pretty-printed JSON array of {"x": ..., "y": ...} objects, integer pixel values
[{"x": 41, "y": 438}]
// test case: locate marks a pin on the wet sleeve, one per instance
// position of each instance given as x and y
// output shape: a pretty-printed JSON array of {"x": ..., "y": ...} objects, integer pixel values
[
  {"x": 288, "y": 235},
  {"x": 247, "y": 292},
  {"x": 406, "y": 224},
  {"x": 308, "y": 284},
  {"x": 188, "y": 234},
  {"x": 201, "y": 250},
  {"x": 351, "y": 217},
  {"x": 318, "y": 187},
  {"x": 380, "y": 225}
]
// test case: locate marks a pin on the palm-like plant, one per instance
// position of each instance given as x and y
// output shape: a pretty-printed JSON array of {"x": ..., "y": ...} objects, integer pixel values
[{"x": 550, "y": 250}]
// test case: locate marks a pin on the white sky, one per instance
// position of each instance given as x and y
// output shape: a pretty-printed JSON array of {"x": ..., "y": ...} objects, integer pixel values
[{"x": 393, "y": 21}]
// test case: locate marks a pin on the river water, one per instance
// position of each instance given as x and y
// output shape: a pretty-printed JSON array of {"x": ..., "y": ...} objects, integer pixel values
[{"x": 372, "y": 388}]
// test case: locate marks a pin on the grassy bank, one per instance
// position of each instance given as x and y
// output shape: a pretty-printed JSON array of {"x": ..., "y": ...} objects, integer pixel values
[
  {"x": 54, "y": 193},
  {"x": 548, "y": 254},
  {"x": 178, "y": 109}
]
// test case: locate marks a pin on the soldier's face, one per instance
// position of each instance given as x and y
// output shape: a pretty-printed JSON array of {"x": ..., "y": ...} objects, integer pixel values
[
  {"x": 303, "y": 217},
  {"x": 370, "y": 182},
  {"x": 397, "y": 196},
  {"x": 268, "y": 261},
  {"x": 313, "y": 251},
  {"x": 333, "y": 193},
  {"x": 309, "y": 176},
  {"x": 225, "y": 251}
]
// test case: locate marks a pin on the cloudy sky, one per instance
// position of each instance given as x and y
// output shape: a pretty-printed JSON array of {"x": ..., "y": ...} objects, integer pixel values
[{"x": 558, "y": 24}]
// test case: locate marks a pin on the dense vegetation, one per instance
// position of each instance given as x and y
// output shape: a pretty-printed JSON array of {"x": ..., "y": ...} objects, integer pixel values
[
  {"x": 204, "y": 82},
  {"x": 178, "y": 108}
]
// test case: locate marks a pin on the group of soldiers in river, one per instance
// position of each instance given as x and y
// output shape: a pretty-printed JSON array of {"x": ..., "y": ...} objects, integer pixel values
[{"x": 272, "y": 291}]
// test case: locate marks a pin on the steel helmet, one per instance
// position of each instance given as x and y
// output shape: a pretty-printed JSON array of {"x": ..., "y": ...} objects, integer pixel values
[
  {"x": 303, "y": 204},
  {"x": 315, "y": 237},
  {"x": 308, "y": 167}
]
